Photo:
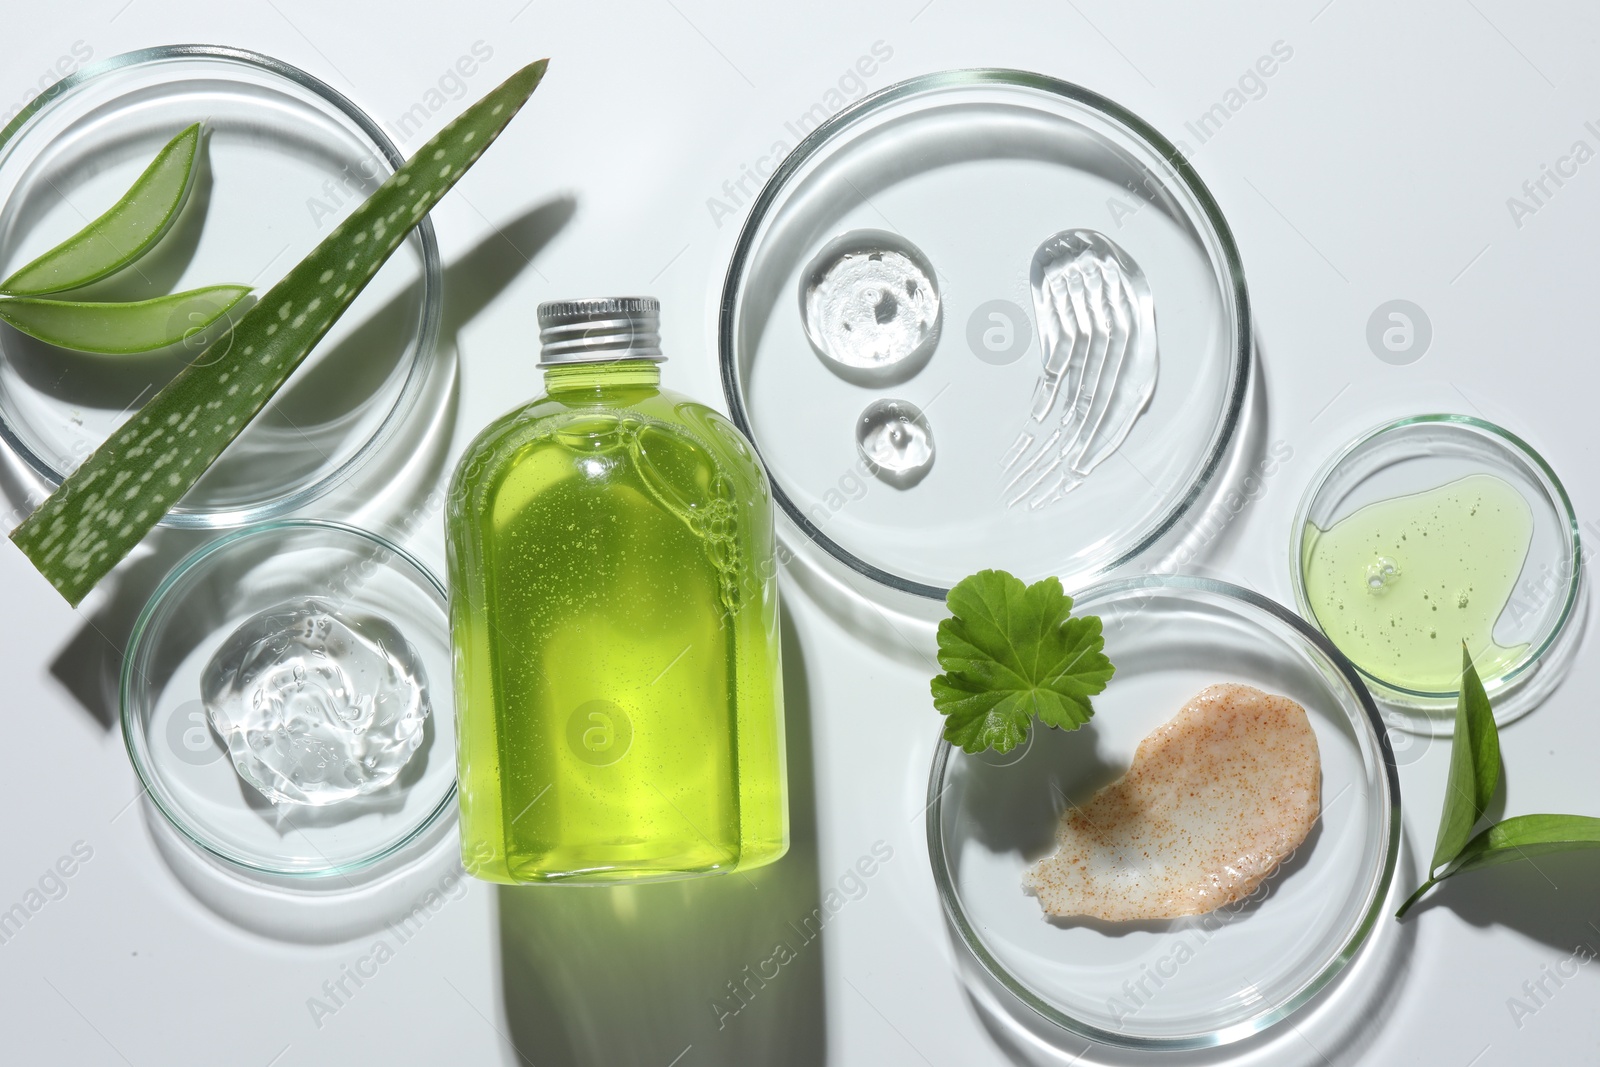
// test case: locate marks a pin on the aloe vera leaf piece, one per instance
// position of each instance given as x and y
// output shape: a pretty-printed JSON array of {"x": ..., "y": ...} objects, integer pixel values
[
  {"x": 127, "y": 230},
  {"x": 121, "y": 329},
  {"x": 105, "y": 507}
]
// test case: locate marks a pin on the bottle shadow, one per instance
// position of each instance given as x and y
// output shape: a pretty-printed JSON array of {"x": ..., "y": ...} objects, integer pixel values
[
  {"x": 90, "y": 664},
  {"x": 727, "y": 966}
]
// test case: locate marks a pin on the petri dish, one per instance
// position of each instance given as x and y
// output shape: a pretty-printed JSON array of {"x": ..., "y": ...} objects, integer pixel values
[
  {"x": 286, "y": 157},
  {"x": 1239, "y": 969},
  {"x": 975, "y": 170},
  {"x": 1536, "y": 631},
  {"x": 186, "y": 769}
]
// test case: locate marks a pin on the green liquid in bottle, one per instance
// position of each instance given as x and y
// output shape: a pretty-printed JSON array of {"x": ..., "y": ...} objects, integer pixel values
[
  {"x": 1399, "y": 585},
  {"x": 615, "y": 621}
]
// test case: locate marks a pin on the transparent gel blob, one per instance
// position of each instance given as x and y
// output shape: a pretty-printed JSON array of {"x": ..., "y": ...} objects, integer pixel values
[
  {"x": 870, "y": 304},
  {"x": 895, "y": 439},
  {"x": 1097, "y": 332},
  {"x": 315, "y": 703}
]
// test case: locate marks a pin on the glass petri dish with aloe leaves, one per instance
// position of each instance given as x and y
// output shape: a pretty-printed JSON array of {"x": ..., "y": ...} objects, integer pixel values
[
  {"x": 283, "y": 158},
  {"x": 1430, "y": 532}
]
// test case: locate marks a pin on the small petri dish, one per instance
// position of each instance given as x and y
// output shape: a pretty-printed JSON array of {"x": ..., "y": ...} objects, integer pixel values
[
  {"x": 1519, "y": 608},
  {"x": 286, "y": 157},
  {"x": 1203, "y": 980},
  {"x": 186, "y": 769},
  {"x": 974, "y": 171}
]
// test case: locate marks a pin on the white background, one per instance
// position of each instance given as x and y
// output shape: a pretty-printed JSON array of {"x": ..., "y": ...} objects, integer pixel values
[{"x": 1377, "y": 165}]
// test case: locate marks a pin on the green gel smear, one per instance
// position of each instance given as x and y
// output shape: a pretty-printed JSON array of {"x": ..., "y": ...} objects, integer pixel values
[{"x": 1399, "y": 584}]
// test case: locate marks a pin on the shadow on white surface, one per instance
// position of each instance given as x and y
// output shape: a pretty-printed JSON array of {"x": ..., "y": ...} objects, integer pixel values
[
  {"x": 643, "y": 974},
  {"x": 1550, "y": 899},
  {"x": 319, "y": 911}
]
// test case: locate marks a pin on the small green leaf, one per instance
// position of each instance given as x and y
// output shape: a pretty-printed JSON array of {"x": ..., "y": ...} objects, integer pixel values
[
  {"x": 120, "y": 329},
  {"x": 105, "y": 507},
  {"x": 1524, "y": 837},
  {"x": 1519, "y": 838},
  {"x": 1474, "y": 766},
  {"x": 1474, "y": 773},
  {"x": 127, "y": 230},
  {"x": 1011, "y": 652}
]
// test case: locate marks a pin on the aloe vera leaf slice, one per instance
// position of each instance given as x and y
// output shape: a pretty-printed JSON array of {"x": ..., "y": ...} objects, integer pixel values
[
  {"x": 127, "y": 230},
  {"x": 122, "y": 328},
  {"x": 105, "y": 507}
]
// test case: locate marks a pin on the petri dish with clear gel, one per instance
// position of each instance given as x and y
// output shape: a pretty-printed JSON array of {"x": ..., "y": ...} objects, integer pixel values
[
  {"x": 958, "y": 183},
  {"x": 1201, "y": 980},
  {"x": 1491, "y": 556},
  {"x": 187, "y": 769},
  {"x": 285, "y": 158}
]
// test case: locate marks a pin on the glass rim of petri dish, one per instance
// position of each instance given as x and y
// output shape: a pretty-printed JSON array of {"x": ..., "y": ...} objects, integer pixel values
[
  {"x": 134, "y": 697},
  {"x": 1554, "y": 498},
  {"x": 1380, "y": 831},
  {"x": 1180, "y": 181},
  {"x": 422, "y": 339}
]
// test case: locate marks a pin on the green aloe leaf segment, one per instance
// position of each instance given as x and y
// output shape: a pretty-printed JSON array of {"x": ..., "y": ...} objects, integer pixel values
[
  {"x": 121, "y": 329},
  {"x": 127, "y": 230},
  {"x": 120, "y": 492}
]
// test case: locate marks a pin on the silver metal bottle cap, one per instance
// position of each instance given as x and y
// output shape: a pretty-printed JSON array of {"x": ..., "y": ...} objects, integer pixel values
[{"x": 599, "y": 330}]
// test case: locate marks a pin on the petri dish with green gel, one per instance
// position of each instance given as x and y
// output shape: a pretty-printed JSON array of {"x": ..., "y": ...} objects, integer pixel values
[{"x": 1432, "y": 532}]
